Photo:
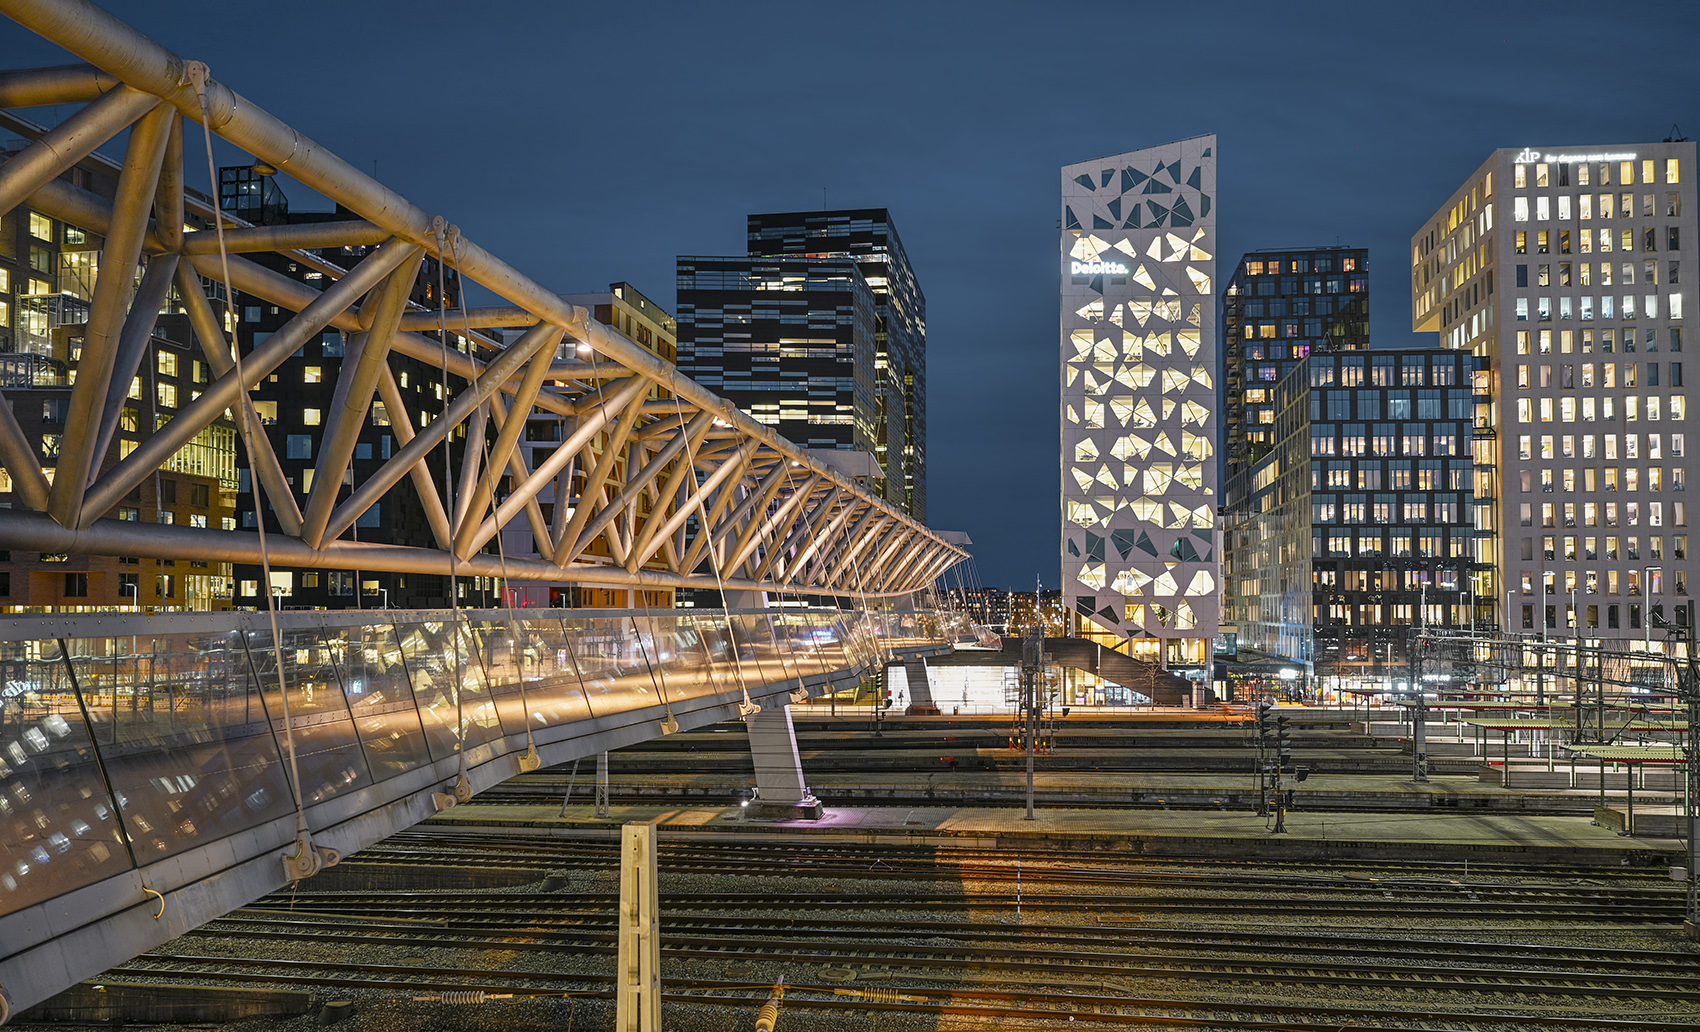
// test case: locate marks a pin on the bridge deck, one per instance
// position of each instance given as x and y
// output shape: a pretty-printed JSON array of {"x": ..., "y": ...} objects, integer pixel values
[{"x": 144, "y": 761}]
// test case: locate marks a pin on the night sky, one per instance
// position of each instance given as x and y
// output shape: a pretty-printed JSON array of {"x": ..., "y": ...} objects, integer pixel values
[{"x": 588, "y": 143}]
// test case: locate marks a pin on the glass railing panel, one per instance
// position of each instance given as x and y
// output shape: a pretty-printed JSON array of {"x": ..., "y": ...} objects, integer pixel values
[
  {"x": 433, "y": 689},
  {"x": 820, "y": 641},
  {"x": 758, "y": 650},
  {"x": 381, "y": 700},
  {"x": 673, "y": 643},
  {"x": 328, "y": 756},
  {"x": 508, "y": 658},
  {"x": 58, "y": 828},
  {"x": 183, "y": 731},
  {"x": 555, "y": 697},
  {"x": 616, "y": 677},
  {"x": 784, "y": 650},
  {"x": 448, "y": 683}
]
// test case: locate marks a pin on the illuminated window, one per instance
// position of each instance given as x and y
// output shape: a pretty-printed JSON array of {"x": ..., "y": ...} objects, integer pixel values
[
  {"x": 311, "y": 417},
  {"x": 167, "y": 362},
  {"x": 312, "y": 374},
  {"x": 166, "y": 394}
]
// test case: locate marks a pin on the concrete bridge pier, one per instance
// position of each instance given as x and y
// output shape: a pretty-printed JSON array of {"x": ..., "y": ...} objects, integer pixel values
[{"x": 780, "y": 788}]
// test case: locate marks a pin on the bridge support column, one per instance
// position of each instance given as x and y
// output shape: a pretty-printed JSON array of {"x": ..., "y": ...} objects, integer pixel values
[
  {"x": 602, "y": 785},
  {"x": 920, "y": 688},
  {"x": 637, "y": 979},
  {"x": 780, "y": 789}
]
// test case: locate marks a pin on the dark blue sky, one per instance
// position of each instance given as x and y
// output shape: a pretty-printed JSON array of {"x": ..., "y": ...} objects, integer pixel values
[{"x": 592, "y": 143}]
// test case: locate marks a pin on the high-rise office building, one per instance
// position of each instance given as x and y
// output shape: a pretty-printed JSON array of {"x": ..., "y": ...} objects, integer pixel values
[
  {"x": 1564, "y": 268},
  {"x": 1278, "y": 307},
  {"x": 1138, "y": 376},
  {"x": 1359, "y": 524},
  {"x": 898, "y": 359},
  {"x": 788, "y": 340}
]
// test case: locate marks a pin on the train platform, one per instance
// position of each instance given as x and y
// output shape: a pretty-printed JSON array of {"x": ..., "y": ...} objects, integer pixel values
[{"x": 1308, "y": 835}]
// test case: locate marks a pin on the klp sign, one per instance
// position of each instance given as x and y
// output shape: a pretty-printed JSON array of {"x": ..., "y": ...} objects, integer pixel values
[{"x": 1097, "y": 269}]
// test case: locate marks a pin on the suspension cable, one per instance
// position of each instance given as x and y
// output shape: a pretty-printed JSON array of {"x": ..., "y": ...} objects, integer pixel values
[
  {"x": 669, "y": 723},
  {"x": 748, "y": 707},
  {"x": 463, "y": 784},
  {"x": 307, "y": 860},
  {"x": 530, "y": 761}
]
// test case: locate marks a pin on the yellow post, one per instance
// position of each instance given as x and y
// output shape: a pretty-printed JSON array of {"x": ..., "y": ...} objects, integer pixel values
[{"x": 637, "y": 984}]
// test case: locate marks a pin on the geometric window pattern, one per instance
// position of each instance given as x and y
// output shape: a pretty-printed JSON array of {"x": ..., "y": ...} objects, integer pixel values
[{"x": 1138, "y": 376}]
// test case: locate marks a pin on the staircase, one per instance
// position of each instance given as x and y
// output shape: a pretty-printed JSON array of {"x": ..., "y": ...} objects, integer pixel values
[{"x": 1148, "y": 679}]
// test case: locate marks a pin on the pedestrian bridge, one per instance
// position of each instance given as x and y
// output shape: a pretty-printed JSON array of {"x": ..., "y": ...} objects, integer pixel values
[{"x": 147, "y": 783}]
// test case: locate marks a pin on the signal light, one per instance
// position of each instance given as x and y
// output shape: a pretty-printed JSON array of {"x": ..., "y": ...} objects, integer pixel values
[{"x": 1283, "y": 739}]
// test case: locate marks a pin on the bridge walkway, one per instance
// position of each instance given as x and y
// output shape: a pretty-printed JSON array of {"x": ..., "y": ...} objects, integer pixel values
[{"x": 145, "y": 762}]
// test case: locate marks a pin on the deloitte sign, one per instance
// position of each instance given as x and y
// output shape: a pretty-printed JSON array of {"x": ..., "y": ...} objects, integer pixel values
[{"x": 1097, "y": 269}]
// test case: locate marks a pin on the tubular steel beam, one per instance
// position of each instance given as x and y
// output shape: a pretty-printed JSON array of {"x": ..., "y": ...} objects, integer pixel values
[
  {"x": 133, "y": 344},
  {"x": 283, "y": 238},
  {"x": 352, "y": 398},
  {"x": 216, "y": 349},
  {"x": 629, "y": 412},
  {"x": 507, "y": 437},
  {"x": 136, "y": 186},
  {"x": 70, "y": 142},
  {"x": 414, "y": 451},
  {"x": 696, "y": 506},
  {"x": 62, "y": 84},
  {"x": 19, "y": 457},
  {"x": 225, "y": 392},
  {"x": 423, "y": 485}
]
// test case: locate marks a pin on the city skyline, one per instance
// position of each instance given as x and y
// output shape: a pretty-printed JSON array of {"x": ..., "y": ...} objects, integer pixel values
[{"x": 666, "y": 176}]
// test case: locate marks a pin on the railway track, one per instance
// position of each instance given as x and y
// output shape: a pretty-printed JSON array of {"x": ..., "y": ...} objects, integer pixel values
[
  {"x": 1105, "y": 1007},
  {"x": 1037, "y": 952},
  {"x": 924, "y": 935},
  {"x": 499, "y": 849}
]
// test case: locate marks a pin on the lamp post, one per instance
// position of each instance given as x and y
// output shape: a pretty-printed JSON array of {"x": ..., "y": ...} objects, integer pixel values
[{"x": 135, "y": 593}]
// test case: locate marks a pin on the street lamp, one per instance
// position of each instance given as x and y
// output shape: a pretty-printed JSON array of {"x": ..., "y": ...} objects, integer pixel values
[{"x": 135, "y": 590}]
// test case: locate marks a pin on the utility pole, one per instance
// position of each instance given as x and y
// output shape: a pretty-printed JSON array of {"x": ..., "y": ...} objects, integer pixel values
[
  {"x": 1032, "y": 668},
  {"x": 1419, "y": 713},
  {"x": 1688, "y": 689},
  {"x": 1690, "y": 686},
  {"x": 1283, "y": 753},
  {"x": 1265, "y": 727}
]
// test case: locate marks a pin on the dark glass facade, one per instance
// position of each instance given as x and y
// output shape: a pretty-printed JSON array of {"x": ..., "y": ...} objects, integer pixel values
[
  {"x": 1359, "y": 525},
  {"x": 1280, "y": 306},
  {"x": 788, "y": 340},
  {"x": 868, "y": 237}
]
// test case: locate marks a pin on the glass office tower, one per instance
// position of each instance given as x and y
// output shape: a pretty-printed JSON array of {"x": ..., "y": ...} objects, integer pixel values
[{"x": 1280, "y": 306}]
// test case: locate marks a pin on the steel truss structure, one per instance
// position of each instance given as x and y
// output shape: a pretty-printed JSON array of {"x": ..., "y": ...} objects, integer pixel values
[{"x": 712, "y": 497}]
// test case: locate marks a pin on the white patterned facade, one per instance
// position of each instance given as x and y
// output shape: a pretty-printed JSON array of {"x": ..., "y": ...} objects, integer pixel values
[{"x": 1140, "y": 548}]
